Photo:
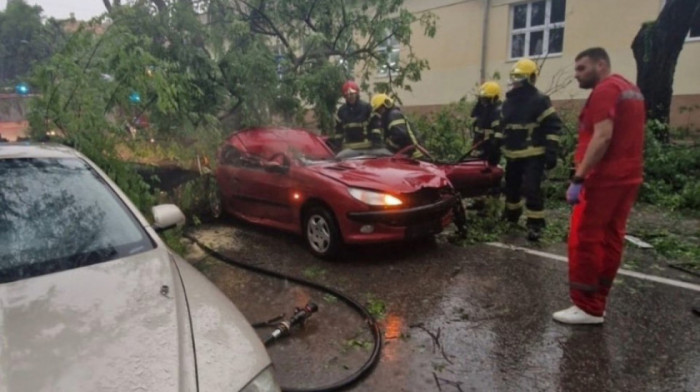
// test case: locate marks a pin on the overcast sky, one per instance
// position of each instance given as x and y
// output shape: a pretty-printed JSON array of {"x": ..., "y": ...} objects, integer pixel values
[{"x": 61, "y": 9}]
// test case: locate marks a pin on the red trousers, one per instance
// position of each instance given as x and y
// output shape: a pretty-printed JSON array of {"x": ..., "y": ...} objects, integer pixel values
[{"x": 595, "y": 243}]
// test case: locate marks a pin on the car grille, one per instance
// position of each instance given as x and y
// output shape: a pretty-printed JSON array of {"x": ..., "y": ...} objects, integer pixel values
[{"x": 425, "y": 196}]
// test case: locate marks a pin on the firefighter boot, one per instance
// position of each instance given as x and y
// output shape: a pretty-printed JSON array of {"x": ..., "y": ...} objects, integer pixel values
[{"x": 534, "y": 234}]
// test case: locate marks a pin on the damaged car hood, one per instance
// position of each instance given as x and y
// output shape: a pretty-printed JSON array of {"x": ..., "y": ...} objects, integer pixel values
[{"x": 387, "y": 174}]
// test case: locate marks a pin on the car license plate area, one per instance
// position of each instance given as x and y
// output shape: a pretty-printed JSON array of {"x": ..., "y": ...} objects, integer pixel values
[{"x": 423, "y": 229}]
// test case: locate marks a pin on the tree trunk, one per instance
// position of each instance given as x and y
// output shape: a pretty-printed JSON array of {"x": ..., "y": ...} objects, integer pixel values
[{"x": 656, "y": 49}]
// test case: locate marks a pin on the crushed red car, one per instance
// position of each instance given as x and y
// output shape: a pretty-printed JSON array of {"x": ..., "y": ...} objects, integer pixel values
[{"x": 291, "y": 180}]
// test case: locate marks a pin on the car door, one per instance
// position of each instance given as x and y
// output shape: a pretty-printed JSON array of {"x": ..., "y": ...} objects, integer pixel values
[
  {"x": 235, "y": 176},
  {"x": 270, "y": 188},
  {"x": 473, "y": 177}
]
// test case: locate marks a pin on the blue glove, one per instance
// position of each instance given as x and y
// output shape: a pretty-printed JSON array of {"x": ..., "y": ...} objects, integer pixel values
[{"x": 573, "y": 193}]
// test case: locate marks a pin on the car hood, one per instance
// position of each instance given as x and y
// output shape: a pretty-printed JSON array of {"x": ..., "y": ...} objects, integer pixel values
[
  {"x": 106, "y": 327},
  {"x": 396, "y": 175}
]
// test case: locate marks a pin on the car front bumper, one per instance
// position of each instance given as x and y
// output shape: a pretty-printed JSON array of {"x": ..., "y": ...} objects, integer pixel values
[{"x": 398, "y": 225}]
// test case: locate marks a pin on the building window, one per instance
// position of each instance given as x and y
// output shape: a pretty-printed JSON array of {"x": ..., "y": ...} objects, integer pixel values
[
  {"x": 537, "y": 28},
  {"x": 390, "y": 48}
]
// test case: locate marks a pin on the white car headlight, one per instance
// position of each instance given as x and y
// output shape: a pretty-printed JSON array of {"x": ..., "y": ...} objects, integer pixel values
[
  {"x": 263, "y": 382},
  {"x": 375, "y": 198}
]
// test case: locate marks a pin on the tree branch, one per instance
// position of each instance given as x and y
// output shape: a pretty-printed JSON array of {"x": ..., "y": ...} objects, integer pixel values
[{"x": 307, "y": 18}]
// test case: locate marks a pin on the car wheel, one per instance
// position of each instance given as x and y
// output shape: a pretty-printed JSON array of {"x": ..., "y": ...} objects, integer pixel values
[
  {"x": 321, "y": 232},
  {"x": 214, "y": 198}
]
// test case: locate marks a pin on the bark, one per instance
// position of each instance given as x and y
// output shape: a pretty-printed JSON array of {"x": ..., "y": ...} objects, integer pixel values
[
  {"x": 109, "y": 5},
  {"x": 656, "y": 49}
]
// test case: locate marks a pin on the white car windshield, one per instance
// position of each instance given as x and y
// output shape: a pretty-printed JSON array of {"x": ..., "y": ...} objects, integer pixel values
[{"x": 58, "y": 214}]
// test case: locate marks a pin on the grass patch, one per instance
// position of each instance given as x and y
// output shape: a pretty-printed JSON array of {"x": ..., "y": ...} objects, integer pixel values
[
  {"x": 376, "y": 307},
  {"x": 314, "y": 272},
  {"x": 357, "y": 344}
]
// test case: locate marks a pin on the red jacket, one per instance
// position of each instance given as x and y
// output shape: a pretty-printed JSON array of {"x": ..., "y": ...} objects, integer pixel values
[{"x": 617, "y": 99}]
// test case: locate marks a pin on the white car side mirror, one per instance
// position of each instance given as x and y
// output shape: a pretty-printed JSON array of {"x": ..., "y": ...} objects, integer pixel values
[{"x": 167, "y": 216}]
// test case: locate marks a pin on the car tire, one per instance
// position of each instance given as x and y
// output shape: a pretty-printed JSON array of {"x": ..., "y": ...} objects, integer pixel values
[{"x": 321, "y": 232}]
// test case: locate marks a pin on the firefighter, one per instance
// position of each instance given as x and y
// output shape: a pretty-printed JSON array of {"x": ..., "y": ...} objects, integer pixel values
[
  {"x": 486, "y": 115},
  {"x": 528, "y": 134},
  {"x": 388, "y": 120},
  {"x": 352, "y": 119}
]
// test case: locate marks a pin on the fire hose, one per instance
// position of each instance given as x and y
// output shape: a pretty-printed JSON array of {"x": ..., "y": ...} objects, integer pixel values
[{"x": 285, "y": 327}]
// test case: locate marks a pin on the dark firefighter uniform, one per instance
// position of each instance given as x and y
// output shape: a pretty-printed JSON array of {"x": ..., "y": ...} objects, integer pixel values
[
  {"x": 388, "y": 120},
  {"x": 486, "y": 121},
  {"x": 529, "y": 139},
  {"x": 351, "y": 122},
  {"x": 486, "y": 114}
]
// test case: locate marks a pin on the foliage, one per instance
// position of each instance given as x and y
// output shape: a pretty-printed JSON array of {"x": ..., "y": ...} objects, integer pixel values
[
  {"x": 376, "y": 307},
  {"x": 672, "y": 173},
  {"x": 75, "y": 100},
  {"x": 182, "y": 71},
  {"x": 319, "y": 44},
  {"x": 446, "y": 134},
  {"x": 173, "y": 238},
  {"x": 24, "y": 39}
]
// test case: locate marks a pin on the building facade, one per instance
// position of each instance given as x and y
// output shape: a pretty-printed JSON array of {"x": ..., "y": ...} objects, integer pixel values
[{"x": 480, "y": 39}]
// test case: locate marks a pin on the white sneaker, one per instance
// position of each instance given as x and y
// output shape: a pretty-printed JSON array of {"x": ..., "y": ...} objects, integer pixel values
[{"x": 574, "y": 315}]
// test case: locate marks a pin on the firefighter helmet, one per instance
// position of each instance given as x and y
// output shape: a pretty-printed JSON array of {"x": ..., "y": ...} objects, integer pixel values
[
  {"x": 350, "y": 87},
  {"x": 524, "y": 70},
  {"x": 490, "y": 89},
  {"x": 379, "y": 100}
]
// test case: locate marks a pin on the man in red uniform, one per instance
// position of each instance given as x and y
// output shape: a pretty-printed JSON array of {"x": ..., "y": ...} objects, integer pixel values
[{"x": 604, "y": 187}]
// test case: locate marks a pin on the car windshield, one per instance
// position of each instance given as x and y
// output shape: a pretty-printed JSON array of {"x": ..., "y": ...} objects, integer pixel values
[{"x": 59, "y": 214}]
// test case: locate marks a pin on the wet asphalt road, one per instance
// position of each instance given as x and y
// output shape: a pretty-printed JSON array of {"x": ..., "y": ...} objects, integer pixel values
[{"x": 455, "y": 318}]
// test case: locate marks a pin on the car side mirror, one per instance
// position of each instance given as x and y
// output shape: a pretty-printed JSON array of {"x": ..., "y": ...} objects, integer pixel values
[{"x": 167, "y": 216}]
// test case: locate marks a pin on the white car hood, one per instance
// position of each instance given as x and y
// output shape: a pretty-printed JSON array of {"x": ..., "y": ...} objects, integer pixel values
[{"x": 105, "y": 327}]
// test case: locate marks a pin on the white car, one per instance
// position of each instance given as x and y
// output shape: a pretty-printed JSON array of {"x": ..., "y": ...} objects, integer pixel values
[{"x": 91, "y": 299}]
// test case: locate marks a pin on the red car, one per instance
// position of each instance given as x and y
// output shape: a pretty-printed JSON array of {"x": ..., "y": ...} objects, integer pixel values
[{"x": 290, "y": 179}]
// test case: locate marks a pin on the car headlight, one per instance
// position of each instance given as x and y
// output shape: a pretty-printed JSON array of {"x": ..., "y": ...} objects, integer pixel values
[
  {"x": 374, "y": 198},
  {"x": 263, "y": 382}
]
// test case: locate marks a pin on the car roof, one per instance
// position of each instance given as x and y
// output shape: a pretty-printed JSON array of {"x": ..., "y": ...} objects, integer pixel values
[
  {"x": 36, "y": 150},
  {"x": 268, "y": 141}
]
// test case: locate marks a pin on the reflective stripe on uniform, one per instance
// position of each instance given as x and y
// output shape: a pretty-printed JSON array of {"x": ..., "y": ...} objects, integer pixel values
[
  {"x": 515, "y": 206},
  {"x": 498, "y": 135},
  {"x": 486, "y": 132},
  {"x": 402, "y": 121},
  {"x": 354, "y": 125},
  {"x": 554, "y": 138},
  {"x": 358, "y": 145},
  {"x": 534, "y": 214},
  {"x": 546, "y": 114},
  {"x": 524, "y": 153},
  {"x": 495, "y": 124},
  {"x": 397, "y": 122},
  {"x": 522, "y": 127},
  {"x": 376, "y": 131}
]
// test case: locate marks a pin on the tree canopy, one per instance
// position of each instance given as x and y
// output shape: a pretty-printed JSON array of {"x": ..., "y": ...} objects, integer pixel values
[
  {"x": 199, "y": 63},
  {"x": 24, "y": 39}
]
